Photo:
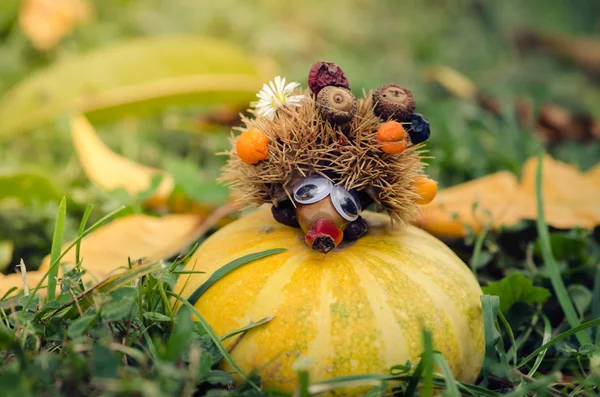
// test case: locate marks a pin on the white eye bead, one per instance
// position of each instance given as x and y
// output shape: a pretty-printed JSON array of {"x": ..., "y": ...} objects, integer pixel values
[
  {"x": 345, "y": 203},
  {"x": 312, "y": 189}
]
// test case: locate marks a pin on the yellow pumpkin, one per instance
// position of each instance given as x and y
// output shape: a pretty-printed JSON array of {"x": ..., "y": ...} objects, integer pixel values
[{"x": 357, "y": 309}]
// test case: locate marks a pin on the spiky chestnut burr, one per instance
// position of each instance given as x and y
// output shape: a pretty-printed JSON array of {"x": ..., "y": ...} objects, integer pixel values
[
  {"x": 324, "y": 74},
  {"x": 393, "y": 102},
  {"x": 336, "y": 104}
]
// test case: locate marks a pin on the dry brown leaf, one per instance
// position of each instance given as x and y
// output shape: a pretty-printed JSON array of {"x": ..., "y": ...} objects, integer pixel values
[
  {"x": 570, "y": 200},
  {"x": 46, "y": 22},
  {"x": 111, "y": 171}
]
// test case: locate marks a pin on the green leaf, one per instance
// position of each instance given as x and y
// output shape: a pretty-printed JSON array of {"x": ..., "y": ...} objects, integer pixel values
[
  {"x": 104, "y": 361},
  {"x": 121, "y": 304},
  {"x": 516, "y": 288},
  {"x": 182, "y": 335},
  {"x": 218, "y": 377},
  {"x": 145, "y": 74},
  {"x": 155, "y": 316},
  {"x": 490, "y": 305},
  {"x": 28, "y": 187},
  {"x": 228, "y": 268},
  {"x": 581, "y": 296},
  {"x": 82, "y": 324}
]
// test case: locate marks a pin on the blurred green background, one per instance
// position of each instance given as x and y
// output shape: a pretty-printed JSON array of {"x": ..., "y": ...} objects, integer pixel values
[{"x": 375, "y": 42}]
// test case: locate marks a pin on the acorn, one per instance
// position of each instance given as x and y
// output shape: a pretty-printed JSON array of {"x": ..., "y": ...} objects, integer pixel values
[
  {"x": 393, "y": 102},
  {"x": 419, "y": 129},
  {"x": 325, "y": 74},
  {"x": 336, "y": 104}
]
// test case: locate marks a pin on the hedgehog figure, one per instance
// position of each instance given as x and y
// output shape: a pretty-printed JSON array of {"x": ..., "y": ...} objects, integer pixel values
[{"x": 321, "y": 156}]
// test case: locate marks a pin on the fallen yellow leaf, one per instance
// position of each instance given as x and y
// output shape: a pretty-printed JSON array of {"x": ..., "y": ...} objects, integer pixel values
[
  {"x": 564, "y": 185},
  {"x": 110, "y": 170},
  {"x": 46, "y": 22},
  {"x": 570, "y": 200},
  {"x": 456, "y": 83},
  {"x": 593, "y": 175},
  {"x": 108, "y": 249},
  {"x": 137, "y": 237}
]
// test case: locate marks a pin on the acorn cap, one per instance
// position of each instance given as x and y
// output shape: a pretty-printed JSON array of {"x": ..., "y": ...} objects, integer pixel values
[
  {"x": 336, "y": 104},
  {"x": 324, "y": 74},
  {"x": 393, "y": 102}
]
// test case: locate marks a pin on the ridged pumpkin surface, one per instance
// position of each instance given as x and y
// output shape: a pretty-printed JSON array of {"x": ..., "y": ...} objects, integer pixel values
[{"x": 357, "y": 309}]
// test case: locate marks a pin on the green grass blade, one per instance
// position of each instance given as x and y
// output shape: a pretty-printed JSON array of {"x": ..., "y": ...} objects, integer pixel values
[
  {"x": 55, "y": 263},
  {"x": 84, "y": 219},
  {"x": 545, "y": 339},
  {"x": 584, "y": 326},
  {"x": 228, "y": 268},
  {"x": 475, "y": 390},
  {"x": 511, "y": 335},
  {"x": 7, "y": 293},
  {"x": 477, "y": 249},
  {"x": 427, "y": 359},
  {"x": 596, "y": 302},
  {"x": 57, "y": 242},
  {"x": 553, "y": 270},
  {"x": 253, "y": 324},
  {"x": 215, "y": 338},
  {"x": 414, "y": 380},
  {"x": 537, "y": 385},
  {"x": 451, "y": 387}
]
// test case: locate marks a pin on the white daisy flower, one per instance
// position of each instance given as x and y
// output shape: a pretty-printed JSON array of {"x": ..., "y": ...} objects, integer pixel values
[{"x": 276, "y": 95}]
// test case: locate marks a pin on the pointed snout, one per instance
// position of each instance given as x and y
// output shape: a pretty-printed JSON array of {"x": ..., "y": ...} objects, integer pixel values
[{"x": 324, "y": 236}]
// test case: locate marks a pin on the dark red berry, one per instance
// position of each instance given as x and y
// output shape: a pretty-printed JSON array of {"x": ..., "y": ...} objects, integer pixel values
[
  {"x": 419, "y": 128},
  {"x": 323, "y": 74}
]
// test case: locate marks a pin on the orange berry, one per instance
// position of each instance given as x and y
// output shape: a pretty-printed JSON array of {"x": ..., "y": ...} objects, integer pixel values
[
  {"x": 426, "y": 188},
  {"x": 252, "y": 147},
  {"x": 392, "y": 137}
]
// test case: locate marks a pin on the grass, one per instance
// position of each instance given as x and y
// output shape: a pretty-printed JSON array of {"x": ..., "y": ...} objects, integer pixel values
[
  {"x": 124, "y": 338},
  {"x": 117, "y": 338}
]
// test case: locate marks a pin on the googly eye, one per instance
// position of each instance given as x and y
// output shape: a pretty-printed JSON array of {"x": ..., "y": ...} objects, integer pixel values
[
  {"x": 346, "y": 203},
  {"x": 312, "y": 189}
]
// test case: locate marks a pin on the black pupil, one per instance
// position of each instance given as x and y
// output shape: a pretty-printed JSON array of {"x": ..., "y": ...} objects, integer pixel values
[
  {"x": 348, "y": 205},
  {"x": 307, "y": 191}
]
